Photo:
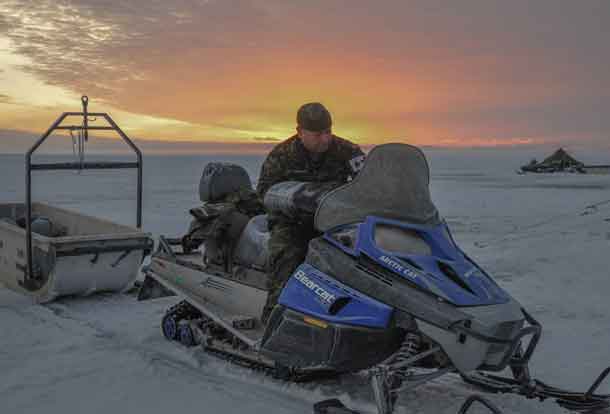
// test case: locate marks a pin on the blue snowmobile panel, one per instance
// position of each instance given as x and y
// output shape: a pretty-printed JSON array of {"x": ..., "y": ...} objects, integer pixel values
[
  {"x": 445, "y": 270},
  {"x": 314, "y": 293}
]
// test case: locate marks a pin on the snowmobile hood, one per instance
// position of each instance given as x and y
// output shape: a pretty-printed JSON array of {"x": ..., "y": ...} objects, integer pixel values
[
  {"x": 423, "y": 255},
  {"x": 393, "y": 183}
]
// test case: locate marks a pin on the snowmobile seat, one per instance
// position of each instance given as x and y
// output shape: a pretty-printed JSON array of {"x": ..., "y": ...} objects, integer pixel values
[{"x": 252, "y": 248}]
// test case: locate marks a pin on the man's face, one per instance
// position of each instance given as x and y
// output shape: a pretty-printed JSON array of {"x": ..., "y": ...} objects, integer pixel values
[{"x": 315, "y": 141}]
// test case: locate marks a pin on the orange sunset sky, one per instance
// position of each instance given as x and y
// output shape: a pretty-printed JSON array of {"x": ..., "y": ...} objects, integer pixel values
[{"x": 445, "y": 73}]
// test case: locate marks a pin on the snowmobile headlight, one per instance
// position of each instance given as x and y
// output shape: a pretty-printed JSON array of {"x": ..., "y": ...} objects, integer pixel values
[
  {"x": 315, "y": 322},
  {"x": 400, "y": 241}
]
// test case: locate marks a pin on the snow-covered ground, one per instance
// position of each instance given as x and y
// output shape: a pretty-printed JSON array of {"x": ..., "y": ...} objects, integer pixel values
[{"x": 546, "y": 238}]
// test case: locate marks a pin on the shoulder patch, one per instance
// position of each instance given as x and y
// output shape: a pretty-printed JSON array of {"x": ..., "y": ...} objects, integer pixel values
[{"x": 356, "y": 163}]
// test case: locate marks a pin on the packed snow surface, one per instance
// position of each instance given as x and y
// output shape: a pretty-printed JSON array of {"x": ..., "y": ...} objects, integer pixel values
[{"x": 545, "y": 239}]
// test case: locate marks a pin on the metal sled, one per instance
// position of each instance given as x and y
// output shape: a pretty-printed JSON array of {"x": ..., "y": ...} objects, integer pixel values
[{"x": 48, "y": 252}]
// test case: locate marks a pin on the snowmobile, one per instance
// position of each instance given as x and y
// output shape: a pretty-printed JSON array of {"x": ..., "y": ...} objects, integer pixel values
[{"x": 384, "y": 289}]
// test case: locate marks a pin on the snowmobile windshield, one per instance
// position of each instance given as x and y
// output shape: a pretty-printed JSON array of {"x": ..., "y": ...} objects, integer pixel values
[{"x": 393, "y": 183}]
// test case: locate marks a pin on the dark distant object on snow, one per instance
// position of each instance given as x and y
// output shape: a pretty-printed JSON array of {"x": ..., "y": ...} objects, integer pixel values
[
  {"x": 597, "y": 169},
  {"x": 559, "y": 161}
]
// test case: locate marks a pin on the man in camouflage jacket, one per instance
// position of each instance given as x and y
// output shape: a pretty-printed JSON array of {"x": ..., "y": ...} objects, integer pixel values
[{"x": 314, "y": 154}]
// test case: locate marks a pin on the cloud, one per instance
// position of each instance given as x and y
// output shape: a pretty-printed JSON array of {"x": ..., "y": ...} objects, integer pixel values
[
  {"x": 244, "y": 66},
  {"x": 93, "y": 46},
  {"x": 18, "y": 142},
  {"x": 102, "y": 47}
]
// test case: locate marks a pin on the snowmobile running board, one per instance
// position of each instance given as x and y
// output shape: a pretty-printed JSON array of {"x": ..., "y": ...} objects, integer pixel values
[{"x": 209, "y": 309}]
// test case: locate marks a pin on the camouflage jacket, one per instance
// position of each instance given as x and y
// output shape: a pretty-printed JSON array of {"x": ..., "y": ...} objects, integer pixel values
[{"x": 290, "y": 161}]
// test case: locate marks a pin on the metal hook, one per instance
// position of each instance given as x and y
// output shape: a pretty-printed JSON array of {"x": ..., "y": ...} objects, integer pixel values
[{"x": 85, "y": 101}]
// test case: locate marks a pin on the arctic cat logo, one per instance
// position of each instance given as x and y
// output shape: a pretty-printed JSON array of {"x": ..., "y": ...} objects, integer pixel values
[
  {"x": 310, "y": 284},
  {"x": 394, "y": 265}
]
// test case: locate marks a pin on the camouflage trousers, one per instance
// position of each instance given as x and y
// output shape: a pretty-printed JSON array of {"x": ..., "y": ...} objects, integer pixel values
[{"x": 287, "y": 250}]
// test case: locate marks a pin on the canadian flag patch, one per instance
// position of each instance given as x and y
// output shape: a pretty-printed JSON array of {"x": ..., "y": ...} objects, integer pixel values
[{"x": 357, "y": 163}]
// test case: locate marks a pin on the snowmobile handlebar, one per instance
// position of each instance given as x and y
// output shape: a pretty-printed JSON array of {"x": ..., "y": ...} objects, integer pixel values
[{"x": 296, "y": 199}]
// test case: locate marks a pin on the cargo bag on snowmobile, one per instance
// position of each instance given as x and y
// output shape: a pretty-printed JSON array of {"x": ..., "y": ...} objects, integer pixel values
[{"x": 229, "y": 202}]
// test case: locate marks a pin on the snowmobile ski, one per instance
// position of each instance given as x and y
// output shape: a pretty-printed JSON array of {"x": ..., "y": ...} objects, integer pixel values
[{"x": 574, "y": 401}]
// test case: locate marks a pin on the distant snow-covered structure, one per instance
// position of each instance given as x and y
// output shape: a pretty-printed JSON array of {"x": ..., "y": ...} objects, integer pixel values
[{"x": 560, "y": 160}]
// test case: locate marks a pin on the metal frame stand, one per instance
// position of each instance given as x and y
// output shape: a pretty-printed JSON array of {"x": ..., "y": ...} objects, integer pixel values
[{"x": 30, "y": 281}]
